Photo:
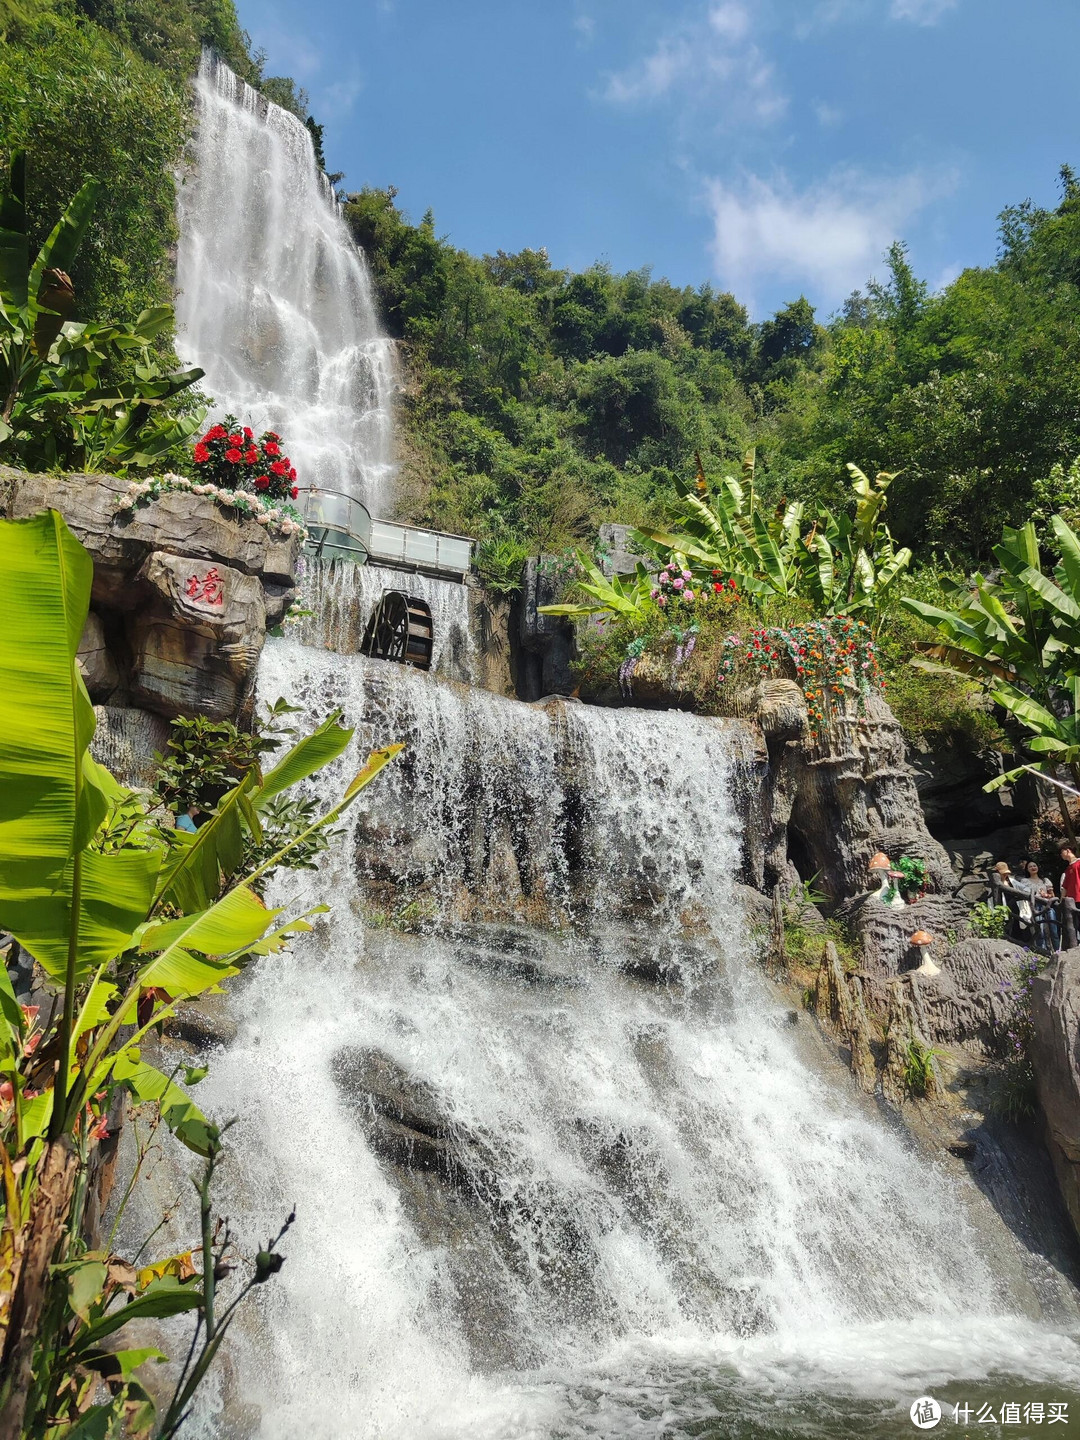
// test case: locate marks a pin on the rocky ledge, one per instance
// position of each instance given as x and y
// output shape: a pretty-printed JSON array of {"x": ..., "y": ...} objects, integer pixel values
[{"x": 183, "y": 593}]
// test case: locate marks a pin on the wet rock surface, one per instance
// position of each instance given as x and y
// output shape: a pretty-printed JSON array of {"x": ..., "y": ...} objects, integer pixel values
[
  {"x": 546, "y": 643},
  {"x": 404, "y": 1120}
]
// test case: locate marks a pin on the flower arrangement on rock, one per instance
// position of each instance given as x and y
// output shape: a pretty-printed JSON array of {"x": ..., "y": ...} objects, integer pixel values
[
  {"x": 229, "y": 456},
  {"x": 279, "y": 519},
  {"x": 237, "y": 472},
  {"x": 676, "y": 586},
  {"x": 825, "y": 655}
]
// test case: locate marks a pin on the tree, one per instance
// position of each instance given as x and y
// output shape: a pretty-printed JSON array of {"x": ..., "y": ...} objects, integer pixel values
[{"x": 54, "y": 407}]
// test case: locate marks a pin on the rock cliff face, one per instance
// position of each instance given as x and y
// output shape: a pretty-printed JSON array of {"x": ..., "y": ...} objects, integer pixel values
[
  {"x": 1056, "y": 1056},
  {"x": 823, "y": 807},
  {"x": 183, "y": 595}
]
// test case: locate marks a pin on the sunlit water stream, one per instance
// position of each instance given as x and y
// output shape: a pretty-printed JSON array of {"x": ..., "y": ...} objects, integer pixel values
[{"x": 679, "y": 1226}]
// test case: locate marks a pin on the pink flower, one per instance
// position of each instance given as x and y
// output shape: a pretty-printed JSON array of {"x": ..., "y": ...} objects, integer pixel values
[
  {"x": 686, "y": 575},
  {"x": 688, "y": 595},
  {"x": 678, "y": 583},
  {"x": 662, "y": 600}
]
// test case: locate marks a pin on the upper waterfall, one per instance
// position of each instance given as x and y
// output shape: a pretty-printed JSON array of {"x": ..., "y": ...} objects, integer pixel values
[{"x": 274, "y": 300}]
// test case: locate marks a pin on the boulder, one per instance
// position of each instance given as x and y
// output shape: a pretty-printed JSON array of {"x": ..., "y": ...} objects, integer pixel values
[
  {"x": 616, "y": 555},
  {"x": 126, "y": 741},
  {"x": 966, "y": 1002},
  {"x": 183, "y": 591},
  {"x": 196, "y": 639},
  {"x": 403, "y": 1119},
  {"x": 969, "y": 1002},
  {"x": 778, "y": 707},
  {"x": 1055, "y": 1055}
]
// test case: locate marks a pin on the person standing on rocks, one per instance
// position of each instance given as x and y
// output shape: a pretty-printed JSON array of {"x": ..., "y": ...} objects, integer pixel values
[
  {"x": 1003, "y": 892},
  {"x": 1070, "y": 897},
  {"x": 1040, "y": 922}
]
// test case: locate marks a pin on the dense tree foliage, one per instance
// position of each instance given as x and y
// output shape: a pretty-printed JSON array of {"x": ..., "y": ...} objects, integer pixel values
[
  {"x": 100, "y": 87},
  {"x": 539, "y": 401}
]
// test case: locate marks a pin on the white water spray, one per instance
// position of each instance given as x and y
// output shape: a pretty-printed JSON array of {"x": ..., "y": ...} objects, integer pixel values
[
  {"x": 660, "y": 1211},
  {"x": 273, "y": 297}
]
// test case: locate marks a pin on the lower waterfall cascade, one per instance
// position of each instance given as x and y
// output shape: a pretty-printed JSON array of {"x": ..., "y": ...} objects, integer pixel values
[{"x": 638, "y": 1207}]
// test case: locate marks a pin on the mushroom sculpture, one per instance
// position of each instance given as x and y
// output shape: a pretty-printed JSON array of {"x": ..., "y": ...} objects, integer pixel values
[
  {"x": 879, "y": 868},
  {"x": 922, "y": 940},
  {"x": 894, "y": 896}
]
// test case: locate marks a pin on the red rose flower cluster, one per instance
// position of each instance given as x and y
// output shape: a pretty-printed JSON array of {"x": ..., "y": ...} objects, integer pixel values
[{"x": 228, "y": 455}]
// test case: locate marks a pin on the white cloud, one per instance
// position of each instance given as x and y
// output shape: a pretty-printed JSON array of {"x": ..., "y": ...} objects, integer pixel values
[
  {"x": 827, "y": 239},
  {"x": 825, "y": 13},
  {"x": 827, "y": 115},
  {"x": 338, "y": 98},
  {"x": 585, "y": 25},
  {"x": 921, "y": 12},
  {"x": 730, "y": 21},
  {"x": 707, "y": 59},
  {"x": 294, "y": 53}
]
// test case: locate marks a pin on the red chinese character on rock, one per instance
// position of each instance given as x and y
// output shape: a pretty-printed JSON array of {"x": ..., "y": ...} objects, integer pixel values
[
  {"x": 210, "y": 589},
  {"x": 213, "y": 588}
]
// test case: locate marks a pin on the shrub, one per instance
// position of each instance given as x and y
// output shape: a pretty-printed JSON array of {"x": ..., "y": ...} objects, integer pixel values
[
  {"x": 499, "y": 564},
  {"x": 989, "y": 921}
]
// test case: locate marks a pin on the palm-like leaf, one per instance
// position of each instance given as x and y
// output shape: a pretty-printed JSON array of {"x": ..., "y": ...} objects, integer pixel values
[{"x": 51, "y": 795}]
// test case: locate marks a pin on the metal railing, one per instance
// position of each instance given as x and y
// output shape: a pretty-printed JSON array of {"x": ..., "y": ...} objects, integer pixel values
[
  {"x": 426, "y": 549},
  {"x": 341, "y": 527}
]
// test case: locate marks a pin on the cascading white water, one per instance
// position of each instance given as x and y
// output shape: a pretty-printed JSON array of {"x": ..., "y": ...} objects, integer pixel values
[
  {"x": 651, "y": 1216},
  {"x": 342, "y": 597},
  {"x": 273, "y": 298},
  {"x": 615, "y": 1198}
]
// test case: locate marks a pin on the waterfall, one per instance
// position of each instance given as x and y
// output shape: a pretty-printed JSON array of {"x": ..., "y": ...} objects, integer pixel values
[
  {"x": 342, "y": 597},
  {"x": 560, "y": 1164},
  {"x": 273, "y": 297}
]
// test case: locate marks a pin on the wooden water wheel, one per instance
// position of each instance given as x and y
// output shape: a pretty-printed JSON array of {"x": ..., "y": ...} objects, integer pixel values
[{"x": 400, "y": 629}]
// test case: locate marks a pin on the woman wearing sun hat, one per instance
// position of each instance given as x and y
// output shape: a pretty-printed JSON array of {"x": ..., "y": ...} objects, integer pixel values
[{"x": 1003, "y": 892}]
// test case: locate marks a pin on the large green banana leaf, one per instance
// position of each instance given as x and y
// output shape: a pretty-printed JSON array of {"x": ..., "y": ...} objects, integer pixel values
[{"x": 61, "y": 901}]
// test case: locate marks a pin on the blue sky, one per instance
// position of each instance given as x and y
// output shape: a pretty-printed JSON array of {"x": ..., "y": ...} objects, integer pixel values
[{"x": 774, "y": 147}]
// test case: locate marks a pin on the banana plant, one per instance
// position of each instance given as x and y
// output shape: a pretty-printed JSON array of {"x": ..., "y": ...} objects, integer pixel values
[
  {"x": 618, "y": 596},
  {"x": 851, "y": 561},
  {"x": 1022, "y": 629},
  {"x": 124, "y": 924},
  {"x": 55, "y": 407},
  {"x": 1020, "y": 637},
  {"x": 845, "y": 564}
]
